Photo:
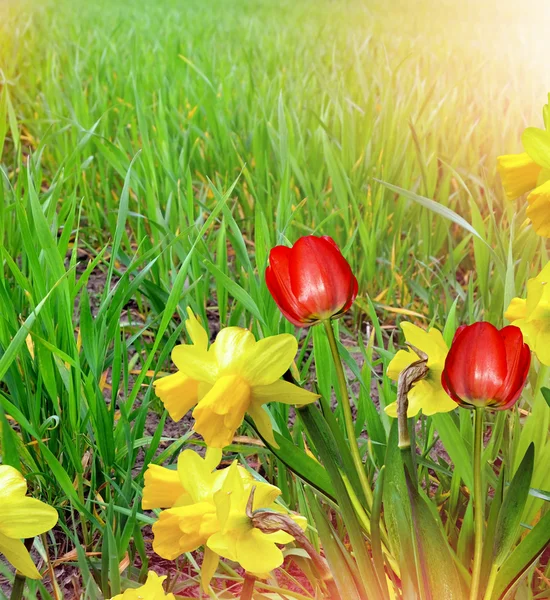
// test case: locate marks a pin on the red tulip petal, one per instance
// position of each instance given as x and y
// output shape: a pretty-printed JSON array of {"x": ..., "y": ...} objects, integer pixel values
[
  {"x": 448, "y": 387},
  {"x": 458, "y": 332},
  {"x": 320, "y": 276},
  {"x": 277, "y": 279},
  {"x": 476, "y": 364},
  {"x": 330, "y": 241},
  {"x": 518, "y": 360}
]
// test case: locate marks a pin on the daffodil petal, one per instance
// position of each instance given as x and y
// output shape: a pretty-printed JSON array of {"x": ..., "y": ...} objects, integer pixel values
[
  {"x": 391, "y": 410},
  {"x": 196, "y": 474},
  {"x": 539, "y": 209},
  {"x": 262, "y": 420},
  {"x": 519, "y": 174},
  {"x": 264, "y": 495},
  {"x": 196, "y": 331},
  {"x": 162, "y": 488},
  {"x": 269, "y": 359},
  {"x": 402, "y": 360},
  {"x": 25, "y": 517},
  {"x": 516, "y": 310},
  {"x": 431, "y": 398},
  {"x": 197, "y": 363},
  {"x": 413, "y": 408},
  {"x": 16, "y": 554},
  {"x": 151, "y": 590},
  {"x": 223, "y": 544},
  {"x": 431, "y": 342},
  {"x": 209, "y": 565},
  {"x": 282, "y": 391},
  {"x": 178, "y": 393},
  {"x": 257, "y": 553},
  {"x": 542, "y": 346},
  {"x": 12, "y": 483},
  {"x": 212, "y": 458},
  {"x": 280, "y": 537},
  {"x": 544, "y": 275},
  {"x": 232, "y": 348}
]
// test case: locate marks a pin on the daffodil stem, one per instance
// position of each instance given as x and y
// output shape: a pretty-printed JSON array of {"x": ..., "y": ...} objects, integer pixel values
[
  {"x": 18, "y": 587},
  {"x": 248, "y": 587},
  {"x": 348, "y": 417},
  {"x": 479, "y": 502}
]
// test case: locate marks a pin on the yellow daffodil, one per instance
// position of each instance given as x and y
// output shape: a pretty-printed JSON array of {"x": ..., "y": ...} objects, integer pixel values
[
  {"x": 188, "y": 494},
  {"x": 427, "y": 394},
  {"x": 191, "y": 516},
  {"x": 179, "y": 392},
  {"x": 239, "y": 375},
  {"x": 152, "y": 590},
  {"x": 530, "y": 172},
  {"x": 237, "y": 539},
  {"x": 532, "y": 315},
  {"x": 21, "y": 517}
]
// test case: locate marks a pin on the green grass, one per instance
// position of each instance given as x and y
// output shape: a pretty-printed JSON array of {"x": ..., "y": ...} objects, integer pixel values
[{"x": 168, "y": 145}]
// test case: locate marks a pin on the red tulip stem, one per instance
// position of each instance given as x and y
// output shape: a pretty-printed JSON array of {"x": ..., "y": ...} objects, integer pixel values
[
  {"x": 348, "y": 417},
  {"x": 479, "y": 502}
]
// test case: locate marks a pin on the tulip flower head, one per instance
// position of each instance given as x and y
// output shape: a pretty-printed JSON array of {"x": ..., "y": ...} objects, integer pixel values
[
  {"x": 486, "y": 367},
  {"x": 532, "y": 315},
  {"x": 311, "y": 281},
  {"x": 427, "y": 394},
  {"x": 21, "y": 517},
  {"x": 239, "y": 375},
  {"x": 151, "y": 590},
  {"x": 530, "y": 172}
]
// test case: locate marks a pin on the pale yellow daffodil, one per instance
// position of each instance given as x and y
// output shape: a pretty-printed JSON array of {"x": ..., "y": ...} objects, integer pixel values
[
  {"x": 21, "y": 517},
  {"x": 179, "y": 392},
  {"x": 532, "y": 315},
  {"x": 237, "y": 539},
  {"x": 151, "y": 590},
  {"x": 426, "y": 395},
  {"x": 192, "y": 514},
  {"x": 530, "y": 172},
  {"x": 239, "y": 375}
]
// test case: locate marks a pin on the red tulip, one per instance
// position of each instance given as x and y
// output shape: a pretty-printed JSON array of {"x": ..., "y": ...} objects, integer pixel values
[
  {"x": 311, "y": 281},
  {"x": 486, "y": 366}
]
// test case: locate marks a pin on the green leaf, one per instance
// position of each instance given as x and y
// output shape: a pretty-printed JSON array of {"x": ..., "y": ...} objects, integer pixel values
[
  {"x": 523, "y": 556},
  {"x": 240, "y": 294},
  {"x": 433, "y": 548},
  {"x": 19, "y": 338},
  {"x": 299, "y": 462},
  {"x": 455, "y": 446},
  {"x": 487, "y": 559},
  {"x": 8, "y": 443},
  {"x": 397, "y": 514},
  {"x": 436, "y": 207},
  {"x": 509, "y": 517},
  {"x": 376, "y": 539},
  {"x": 325, "y": 444},
  {"x": 546, "y": 394},
  {"x": 334, "y": 552},
  {"x": 537, "y": 144}
]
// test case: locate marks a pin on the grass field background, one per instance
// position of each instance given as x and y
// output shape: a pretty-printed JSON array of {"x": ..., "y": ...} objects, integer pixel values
[{"x": 165, "y": 146}]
